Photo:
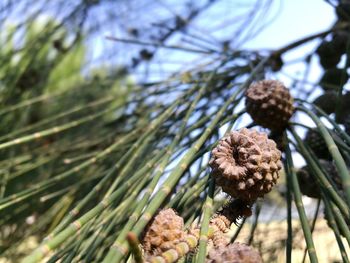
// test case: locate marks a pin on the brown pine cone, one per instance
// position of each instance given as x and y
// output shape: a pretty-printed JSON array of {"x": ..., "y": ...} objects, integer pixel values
[
  {"x": 234, "y": 253},
  {"x": 245, "y": 164},
  {"x": 270, "y": 104},
  {"x": 164, "y": 232}
]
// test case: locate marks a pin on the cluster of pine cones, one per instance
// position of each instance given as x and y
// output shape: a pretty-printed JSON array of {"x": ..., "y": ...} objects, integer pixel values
[
  {"x": 307, "y": 179},
  {"x": 330, "y": 53},
  {"x": 246, "y": 163},
  {"x": 166, "y": 233}
]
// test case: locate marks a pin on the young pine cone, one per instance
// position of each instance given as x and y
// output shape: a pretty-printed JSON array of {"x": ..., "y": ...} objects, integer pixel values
[
  {"x": 343, "y": 115},
  {"x": 308, "y": 183},
  {"x": 234, "y": 253},
  {"x": 333, "y": 78},
  {"x": 327, "y": 101},
  {"x": 329, "y": 54},
  {"x": 317, "y": 144},
  {"x": 164, "y": 232},
  {"x": 270, "y": 104},
  {"x": 245, "y": 164}
]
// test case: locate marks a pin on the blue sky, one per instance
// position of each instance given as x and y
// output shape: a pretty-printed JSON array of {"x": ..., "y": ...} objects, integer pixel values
[
  {"x": 296, "y": 19},
  {"x": 290, "y": 21}
]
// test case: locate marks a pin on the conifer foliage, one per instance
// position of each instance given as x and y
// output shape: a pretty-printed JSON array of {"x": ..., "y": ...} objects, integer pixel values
[{"x": 158, "y": 142}]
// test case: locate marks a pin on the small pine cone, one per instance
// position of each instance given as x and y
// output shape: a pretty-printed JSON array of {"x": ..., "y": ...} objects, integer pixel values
[
  {"x": 163, "y": 232},
  {"x": 317, "y": 144},
  {"x": 234, "y": 253},
  {"x": 328, "y": 54},
  {"x": 276, "y": 62},
  {"x": 245, "y": 164},
  {"x": 333, "y": 78},
  {"x": 327, "y": 101},
  {"x": 344, "y": 109},
  {"x": 308, "y": 183},
  {"x": 270, "y": 104},
  {"x": 340, "y": 40}
]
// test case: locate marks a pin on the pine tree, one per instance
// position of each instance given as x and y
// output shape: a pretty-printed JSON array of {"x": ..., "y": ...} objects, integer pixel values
[{"x": 98, "y": 164}]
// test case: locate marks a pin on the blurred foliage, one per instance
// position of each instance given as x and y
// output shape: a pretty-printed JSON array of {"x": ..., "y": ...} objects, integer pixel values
[{"x": 43, "y": 86}]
